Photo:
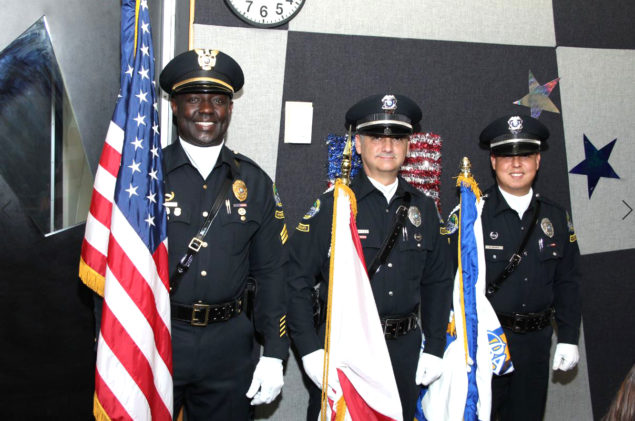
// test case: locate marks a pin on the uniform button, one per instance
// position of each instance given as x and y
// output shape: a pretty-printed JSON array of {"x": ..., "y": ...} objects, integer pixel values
[
  {"x": 555, "y": 254},
  {"x": 493, "y": 256},
  {"x": 387, "y": 210},
  {"x": 390, "y": 293},
  {"x": 204, "y": 186},
  {"x": 389, "y": 265},
  {"x": 525, "y": 279},
  {"x": 418, "y": 244},
  {"x": 522, "y": 228},
  {"x": 205, "y": 214},
  {"x": 203, "y": 273},
  {"x": 524, "y": 305}
]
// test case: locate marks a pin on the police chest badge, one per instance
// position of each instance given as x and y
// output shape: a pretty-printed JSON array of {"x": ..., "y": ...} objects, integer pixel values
[
  {"x": 415, "y": 216},
  {"x": 240, "y": 190},
  {"x": 547, "y": 227}
]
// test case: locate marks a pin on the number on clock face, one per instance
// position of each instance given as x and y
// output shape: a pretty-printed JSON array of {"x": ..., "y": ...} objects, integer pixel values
[{"x": 265, "y": 13}]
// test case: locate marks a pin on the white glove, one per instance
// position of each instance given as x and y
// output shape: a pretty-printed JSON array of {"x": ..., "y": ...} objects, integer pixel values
[
  {"x": 313, "y": 364},
  {"x": 429, "y": 369},
  {"x": 565, "y": 357},
  {"x": 267, "y": 378}
]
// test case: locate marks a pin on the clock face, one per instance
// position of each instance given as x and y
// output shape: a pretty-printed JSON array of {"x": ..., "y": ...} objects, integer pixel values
[{"x": 265, "y": 13}]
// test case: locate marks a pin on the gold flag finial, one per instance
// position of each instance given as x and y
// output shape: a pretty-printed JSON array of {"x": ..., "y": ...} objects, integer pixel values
[
  {"x": 466, "y": 167},
  {"x": 347, "y": 158}
]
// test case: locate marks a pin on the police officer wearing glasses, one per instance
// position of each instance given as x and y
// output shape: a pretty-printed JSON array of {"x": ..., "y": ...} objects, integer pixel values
[
  {"x": 532, "y": 260},
  {"x": 225, "y": 226},
  {"x": 415, "y": 278}
]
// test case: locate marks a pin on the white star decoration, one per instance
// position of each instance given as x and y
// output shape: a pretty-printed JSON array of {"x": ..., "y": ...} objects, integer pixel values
[
  {"x": 140, "y": 119},
  {"x": 134, "y": 166},
  {"x": 144, "y": 73},
  {"x": 152, "y": 197},
  {"x": 143, "y": 96},
  {"x": 144, "y": 27},
  {"x": 144, "y": 49},
  {"x": 129, "y": 70},
  {"x": 132, "y": 190},
  {"x": 150, "y": 220},
  {"x": 155, "y": 151},
  {"x": 137, "y": 143},
  {"x": 153, "y": 174}
]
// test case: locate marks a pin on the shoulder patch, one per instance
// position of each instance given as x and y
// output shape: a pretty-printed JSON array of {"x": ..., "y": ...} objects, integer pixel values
[
  {"x": 276, "y": 196},
  {"x": 570, "y": 223},
  {"x": 452, "y": 225},
  {"x": 314, "y": 210}
]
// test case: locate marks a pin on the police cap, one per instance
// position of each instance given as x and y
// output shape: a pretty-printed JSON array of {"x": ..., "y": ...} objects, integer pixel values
[
  {"x": 384, "y": 115},
  {"x": 514, "y": 135},
  {"x": 202, "y": 71}
]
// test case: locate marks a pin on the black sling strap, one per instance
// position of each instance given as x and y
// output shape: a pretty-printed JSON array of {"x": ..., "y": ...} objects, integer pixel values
[
  {"x": 389, "y": 242},
  {"x": 197, "y": 241},
  {"x": 514, "y": 261}
]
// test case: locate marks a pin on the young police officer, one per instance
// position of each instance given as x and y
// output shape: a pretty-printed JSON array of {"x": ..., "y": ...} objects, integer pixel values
[
  {"x": 532, "y": 268},
  {"x": 415, "y": 276},
  {"x": 225, "y": 224}
]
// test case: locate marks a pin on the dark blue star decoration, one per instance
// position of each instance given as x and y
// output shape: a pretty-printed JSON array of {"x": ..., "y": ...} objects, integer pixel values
[{"x": 596, "y": 164}]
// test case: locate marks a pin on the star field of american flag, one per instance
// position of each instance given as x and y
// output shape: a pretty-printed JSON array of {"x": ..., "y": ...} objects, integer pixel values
[{"x": 139, "y": 191}]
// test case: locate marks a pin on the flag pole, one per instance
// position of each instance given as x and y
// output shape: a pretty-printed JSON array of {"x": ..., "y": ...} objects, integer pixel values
[{"x": 345, "y": 180}]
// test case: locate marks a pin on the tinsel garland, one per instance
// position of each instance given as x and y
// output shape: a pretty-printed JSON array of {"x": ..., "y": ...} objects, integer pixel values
[
  {"x": 421, "y": 168},
  {"x": 335, "y": 145}
]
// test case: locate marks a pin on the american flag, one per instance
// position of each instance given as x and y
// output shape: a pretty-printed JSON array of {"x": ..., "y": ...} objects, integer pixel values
[{"x": 124, "y": 254}]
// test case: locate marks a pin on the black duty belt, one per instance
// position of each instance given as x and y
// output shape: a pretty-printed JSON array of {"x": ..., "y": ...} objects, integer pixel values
[
  {"x": 200, "y": 314},
  {"x": 526, "y": 322},
  {"x": 394, "y": 327}
]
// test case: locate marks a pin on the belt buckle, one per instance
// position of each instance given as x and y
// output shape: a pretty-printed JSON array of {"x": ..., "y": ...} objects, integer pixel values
[
  {"x": 195, "y": 244},
  {"x": 197, "y": 308},
  {"x": 388, "y": 327},
  {"x": 518, "y": 325}
]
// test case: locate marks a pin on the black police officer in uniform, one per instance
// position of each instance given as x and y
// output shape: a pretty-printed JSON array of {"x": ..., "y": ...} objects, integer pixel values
[
  {"x": 212, "y": 336},
  {"x": 546, "y": 280},
  {"x": 416, "y": 276}
]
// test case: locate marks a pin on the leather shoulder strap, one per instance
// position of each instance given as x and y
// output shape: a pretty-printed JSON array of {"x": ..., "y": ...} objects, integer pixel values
[{"x": 389, "y": 242}]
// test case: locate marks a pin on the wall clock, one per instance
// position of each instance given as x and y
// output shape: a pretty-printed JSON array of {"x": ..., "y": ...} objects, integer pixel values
[{"x": 265, "y": 13}]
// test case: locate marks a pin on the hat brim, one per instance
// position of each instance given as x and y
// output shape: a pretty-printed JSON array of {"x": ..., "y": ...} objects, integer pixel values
[
  {"x": 515, "y": 148},
  {"x": 208, "y": 88},
  {"x": 385, "y": 128}
]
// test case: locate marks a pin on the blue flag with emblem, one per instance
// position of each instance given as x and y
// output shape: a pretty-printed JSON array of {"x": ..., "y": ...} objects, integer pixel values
[{"x": 476, "y": 347}]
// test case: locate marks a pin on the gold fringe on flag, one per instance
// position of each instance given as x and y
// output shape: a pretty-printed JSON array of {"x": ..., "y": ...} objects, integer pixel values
[
  {"x": 98, "y": 410},
  {"x": 91, "y": 278}
]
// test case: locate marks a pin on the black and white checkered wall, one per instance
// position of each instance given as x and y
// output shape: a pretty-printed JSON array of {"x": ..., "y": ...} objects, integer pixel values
[{"x": 465, "y": 63}]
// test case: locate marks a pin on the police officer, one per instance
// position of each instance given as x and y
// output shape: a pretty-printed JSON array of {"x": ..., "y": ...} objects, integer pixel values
[
  {"x": 210, "y": 263},
  {"x": 532, "y": 268},
  {"x": 414, "y": 278}
]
